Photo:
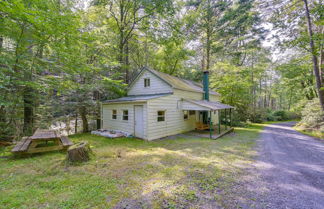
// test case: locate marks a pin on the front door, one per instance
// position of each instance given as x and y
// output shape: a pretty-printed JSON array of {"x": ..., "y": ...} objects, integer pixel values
[{"x": 139, "y": 125}]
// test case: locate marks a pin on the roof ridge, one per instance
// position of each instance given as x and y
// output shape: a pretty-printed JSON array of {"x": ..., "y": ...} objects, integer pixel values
[
  {"x": 174, "y": 76},
  {"x": 178, "y": 82}
]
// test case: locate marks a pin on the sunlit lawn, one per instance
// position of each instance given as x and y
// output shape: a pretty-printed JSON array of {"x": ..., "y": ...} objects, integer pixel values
[{"x": 172, "y": 173}]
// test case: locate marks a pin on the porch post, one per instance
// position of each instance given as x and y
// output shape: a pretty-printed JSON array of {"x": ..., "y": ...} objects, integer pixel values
[
  {"x": 210, "y": 125},
  {"x": 219, "y": 121},
  {"x": 215, "y": 129},
  {"x": 225, "y": 119},
  {"x": 230, "y": 117}
]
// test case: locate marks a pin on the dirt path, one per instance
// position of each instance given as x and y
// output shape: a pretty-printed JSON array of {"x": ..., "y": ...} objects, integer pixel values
[{"x": 288, "y": 173}]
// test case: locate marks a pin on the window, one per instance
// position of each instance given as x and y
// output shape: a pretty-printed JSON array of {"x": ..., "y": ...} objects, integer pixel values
[
  {"x": 147, "y": 82},
  {"x": 192, "y": 112},
  {"x": 125, "y": 114},
  {"x": 114, "y": 114},
  {"x": 185, "y": 114},
  {"x": 160, "y": 116}
]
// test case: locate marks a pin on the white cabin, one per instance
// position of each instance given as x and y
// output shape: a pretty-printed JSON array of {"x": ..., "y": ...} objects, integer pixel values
[{"x": 159, "y": 105}]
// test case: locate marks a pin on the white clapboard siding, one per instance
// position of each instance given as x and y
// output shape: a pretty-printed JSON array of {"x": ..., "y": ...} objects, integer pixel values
[
  {"x": 119, "y": 123},
  {"x": 188, "y": 94},
  {"x": 157, "y": 86},
  {"x": 214, "y": 98},
  {"x": 174, "y": 122},
  {"x": 195, "y": 95}
]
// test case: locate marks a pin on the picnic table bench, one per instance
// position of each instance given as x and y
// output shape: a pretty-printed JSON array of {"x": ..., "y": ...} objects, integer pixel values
[{"x": 42, "y": 141}]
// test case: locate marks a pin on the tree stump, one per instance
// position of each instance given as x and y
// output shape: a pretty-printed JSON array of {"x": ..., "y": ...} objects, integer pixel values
[{"x": 79, "y": 152}]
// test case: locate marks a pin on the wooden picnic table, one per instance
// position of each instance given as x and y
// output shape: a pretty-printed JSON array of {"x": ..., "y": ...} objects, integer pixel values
[{"x": 42, "y": 141}]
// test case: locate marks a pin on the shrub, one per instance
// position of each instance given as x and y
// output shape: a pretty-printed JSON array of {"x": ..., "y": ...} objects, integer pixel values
[
  {"x": 237, "y": 119},
  {"x": 257, "y": 116},
  {"x": 271, "y": 117},
  {"x": 312, "y": 115},
  {"x": 281, "y": 115}
]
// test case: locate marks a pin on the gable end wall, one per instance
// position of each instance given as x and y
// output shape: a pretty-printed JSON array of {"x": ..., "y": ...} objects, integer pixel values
[{"x": 157, "y": 86}]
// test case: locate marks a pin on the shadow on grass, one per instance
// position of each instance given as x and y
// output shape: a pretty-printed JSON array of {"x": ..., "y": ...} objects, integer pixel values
[{"x": 182, "y": 172}]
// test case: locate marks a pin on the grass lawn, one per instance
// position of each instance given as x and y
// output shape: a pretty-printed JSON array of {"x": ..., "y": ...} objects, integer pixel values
[{"x": 170, "y": 173}]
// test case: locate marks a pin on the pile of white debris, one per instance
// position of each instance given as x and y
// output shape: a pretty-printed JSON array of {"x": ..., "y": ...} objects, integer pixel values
[{"x": 111, "y": 133}]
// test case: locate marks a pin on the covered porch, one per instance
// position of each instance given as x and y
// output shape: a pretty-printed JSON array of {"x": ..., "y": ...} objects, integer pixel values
[{"x": 214, "y": 119}]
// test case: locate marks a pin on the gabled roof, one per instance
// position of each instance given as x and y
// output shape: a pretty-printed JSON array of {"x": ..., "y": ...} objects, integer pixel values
[
  {"x": 208, "y": 104},
  {"x": 137, "y": 98},
  {"x": 175, "y": 82}
]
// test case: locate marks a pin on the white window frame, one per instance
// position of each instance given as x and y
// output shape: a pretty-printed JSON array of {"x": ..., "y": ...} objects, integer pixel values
[
  {"x": 125, "y": 115},
  {"x": 145, "y": 82},
  {"x": 160, "y": 116},
  {"x": 112, "y": 114}
]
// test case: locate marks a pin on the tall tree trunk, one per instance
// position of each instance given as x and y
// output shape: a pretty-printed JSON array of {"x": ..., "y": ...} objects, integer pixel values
[
  {"x": 322, "y": 65},
  {"x": 3, "y": 124},
  {"x": 121, "y": 54},
  {"x": 2, "y": 113},
  {"x": 203, "y": 61},
  {"x": 314, "y": 57},
  {"x": 208, "y": 34},
  {"x": 76, "y": 123},
  {"x": 83, "y": 114},
  {"x": 252, "y": 91},
  {"x": 126, "y": 63},
  {"x": 289, "y": 101},
  {"x": 1, "y": 42},
  {"x": 122, "y": 39},
  {"x": 252, "y": 86},
  {"x": 260, "y": 92},
  {"x": 265, "y": 93},
  {"x": 208, "y": 50},
  {"x": 269, "y": 96},
  {"x": 28, "y": 99},
  {"x": 146, "y": 49},
  {"x": 29, "y": 103}
]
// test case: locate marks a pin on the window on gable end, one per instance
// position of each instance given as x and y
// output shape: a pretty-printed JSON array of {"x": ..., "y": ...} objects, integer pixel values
[{"x": 147, "y": 82}]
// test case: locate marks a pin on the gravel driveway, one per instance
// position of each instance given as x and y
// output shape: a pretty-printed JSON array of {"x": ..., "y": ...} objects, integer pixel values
[{"x": 288, "y": 173}]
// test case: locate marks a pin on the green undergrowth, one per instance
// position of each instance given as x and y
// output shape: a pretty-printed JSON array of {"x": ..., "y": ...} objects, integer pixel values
[
  {"x": 171, "y": 173},
  {"x": 273, "y": 122},
  {"x": 314, "y": 133}
]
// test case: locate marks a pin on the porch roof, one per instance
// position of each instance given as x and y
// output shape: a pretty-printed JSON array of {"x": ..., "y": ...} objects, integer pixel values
[{"x": 188, "y": 104}]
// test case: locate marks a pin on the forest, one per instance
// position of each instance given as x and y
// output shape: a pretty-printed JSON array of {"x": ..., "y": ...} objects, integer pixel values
[{"x": 59, "y": 59}]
